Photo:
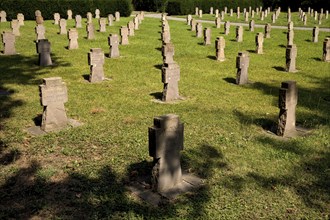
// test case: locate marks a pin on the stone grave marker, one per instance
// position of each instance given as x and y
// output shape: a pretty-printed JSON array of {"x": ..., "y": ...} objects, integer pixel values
[
  {"x": 15, "y": 27},
  {"x": 199, "y": 30},
  {"x": 63, "y": 26},
  {"x": 90, "y": 31},
  {"x": 113, "y": 41},
  {"x": 89, "y": 16},
  {"x": 291, "y": 55},
  {"x": 102, "y": 24},
  {"x": 78, "y": 20},
  {"x": 246, "y": 16},
  {"x": 124, "y": 35},
  {"x": 130, "y": 26},
  {"x": 200, "y": 13},
  {"x": 216, "y": 13},
  {"x": 44, "y": 50},
  {"x": 231, "y": 12},
  {"x": 189, "y": 17},
  {"x": 96, "y": 61},
  {"x": 220, "y": 45},
  {"x": 227, "y": 27},
  {"x": 225, "y": 10},
  {"x": 136, "y": 23},
  {"x": 267, "y": 30},
  {"x": 8, "y": 40},
  {"x": 259, "y": 43},
  {"x": 262, "y": 16},
  {"x": 168, "y": 53},
  {"x": 193, "y": 25},
  {"x": 40, "y": 31},
  {"x": 20, "y": 18},
  {"x": 97, "y": 13},
  {"x": 305, "y": 19},
  {"x": 166, "y": 35},
  {"x": 37, "y": 13},
  {"x": 273, "y": 18},
  {"x": 110, "y": 19},
  {"x": 287, "y": 102},
  {"x": 196, "y": 11},
  {"x": 238, "y": 12},
  {"x": 117, "y": 15},
  {"x": 207, "y": 36},
  {"x": 222, "y": 15},
  {"x": 69, "y": 13},
  {"x": 211, "y": 10},
  {"x": 39, "y": 19},
  {"x": 170, "y": 78},
  {"x": 251, "y": 25},
  {"x": 218, "y": 22},
  {"x": 239, "y": 34},
  {"x": 165, "y": 144},
  {"x": 73, "y": 39},
  {"x": 242, "y": 65},
  {"x": 326, "y": 50},
  {"x": 3, "y": 16},
  {"x": 57, "y": 18},
  {"x": 290, "y": 36},
  {"x": 290, "y": 26},
  {"x": 53, "y": 95}
]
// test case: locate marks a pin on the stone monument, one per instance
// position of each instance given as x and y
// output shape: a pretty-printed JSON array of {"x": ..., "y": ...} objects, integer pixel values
[
  {"x": 287, "y": 102},
  {"x": 218, "y": 22},
  {"x": 207, "y": 36},
  {"x": 291, "y": 55},
  {"x": 57, "y": 18},
  {"x": 199, "y": 30},
  {"x": 316, "y": 31},
  {"x": 259, "y": 43},
  {"x": 53, "y": 95},
  {"x": 96, "y": 61},
  {"x": 78, "y": 21},
  {"x": 239, "y": 34},
  {"x": 242, "y": 65},
  {"x": 326, "y": 50},
  {"x": 63, "y": 26},
  {"x": 90, "y": 31},
  {"x": 165, "y": 144},
  {"x": 73, "y": 39},
  {"x": 102, "y": 24},
  {"x": 15, "y": 27},
  {"x": 69, "y": 13},
  {"x": 113, "y": 41},
  {"x": 251, "y": 25},
  {"x": 267, "y": 30},
  {"x": 124, "y": 35},
  {"x": 89, "y": 16},
  {"x": 168, "y": 53},
  {"x": 3, "y": 16},
  {"x": 40, "y": 31},
  {"x": 110, "y": 19},
  {"x": 220, "y": 45},
  {"x": 170, "y": 78},
  {"x": 8, "y": 40},
  {"x": 130, "y": 27},
  {"x": 44, "y": 50},
  {"x": 97, "y": 13},
  {"x": 20, "y": 18},
  {"x": 117, "y": 16},
  {"x": 227, "y": 27}
]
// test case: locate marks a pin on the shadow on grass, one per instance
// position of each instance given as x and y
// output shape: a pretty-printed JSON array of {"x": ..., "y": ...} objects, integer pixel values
[
  {"x": 29, "y": 193},
  {"x": 158, "y": 66},
  {"x": 86, "y": 76},
  {"x": 157, "y": 95},
  {"x": 230, "y": 80},
  {"x": 212, "y": 57},
  {"x": 308, "y": 40},
  {"x": 282, "y": 46},
  {"x": 316, "y": 59},
  {"x": 251, "y": 51},
  {"x": 158, "y": 48},
  {"x": 8, "y": 156},
  {"x": 279, "y": 68}
]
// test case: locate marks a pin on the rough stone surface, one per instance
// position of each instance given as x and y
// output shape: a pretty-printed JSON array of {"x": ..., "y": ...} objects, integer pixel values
[
  {"x": 207, "y": 36},
  {"x": 44, "y": 50},
  {"x": 57, "y": 18},
  {"x": 69, "y": 13},
  {"x": 316, "y": 31},
  {"x": 291, "y": 55},
  {"x": 199, "y": 30},
  {"x": 168, "y": 53},
  {"x": 193, "y": 25},
  {"x": 165, "y": 144},
  {"x": 136, "y": 23},
  {"x": 242, "y": 64},
  {"x": 290, "y": 37},
  {"x": 73, "y": 39},
  {"x": 97, "y": 13},
  {"x": 113, "y": 41},
  {"x": 15, "y": 27},
  {"x": 259, "y": 43},
  {"x": 63, "y": 26},
  {"x": 40, "y": 31},
  {"x": 89, "y": 16},
  {"x": 54, "y": 94},
  {"x": 189, "y": 17},
  {"x": 20, "y": 18},
  {"x": 124, "y": 35},
  {"x": 78, "y": 19},
  {"x": 37, "y": 13},
  {"x": 39, "y": 19},
  {"x": 8, "y": 40},
  {"x": 267, "y": 30},
  {"x": 130, "y": 27},
  {"x": 96, "y": 61},
  {"x": 287, "y": 102},
  {"x": 326, "y": 50},
  {"x": 110, "y": 19},
  {"x": 251, "y": 25},
  {"x": 220, "y": 45},
  {"x": 117, "y": 16},
  {"x": 239, "y": 34},
  {"x": 102, "y": 24},
  {"x": 218, "y": 22},
  {"x": 170, "y": 78},
  {"x": 90, "y": 31},
  {"x": 227, "y": 27},
  {"x": 3, "y": 16}
]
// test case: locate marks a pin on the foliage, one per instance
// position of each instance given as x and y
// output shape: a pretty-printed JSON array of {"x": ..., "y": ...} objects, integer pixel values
[{"x": 49, "y": 7}]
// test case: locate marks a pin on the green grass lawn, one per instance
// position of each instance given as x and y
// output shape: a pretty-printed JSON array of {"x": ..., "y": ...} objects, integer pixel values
[
  {"x": 281, "y": 21},
  {"x": 82, "y": 172}
]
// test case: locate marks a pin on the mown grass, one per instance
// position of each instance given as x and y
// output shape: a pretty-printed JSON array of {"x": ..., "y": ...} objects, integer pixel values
[
  {"x": 281, "y": 21},
  {"x": 82, "y": 172}
]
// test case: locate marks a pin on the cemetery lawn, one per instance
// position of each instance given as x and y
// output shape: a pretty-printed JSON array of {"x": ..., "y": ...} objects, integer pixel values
[
  {"x": 82, "y": 172},
  {"x": 281, "y": 21}
]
